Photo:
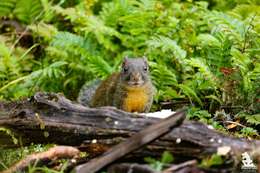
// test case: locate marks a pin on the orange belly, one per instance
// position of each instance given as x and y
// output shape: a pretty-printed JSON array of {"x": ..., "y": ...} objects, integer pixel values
[{"x": 136, "y": 100}]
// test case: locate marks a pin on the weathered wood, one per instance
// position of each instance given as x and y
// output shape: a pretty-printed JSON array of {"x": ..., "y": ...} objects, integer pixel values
[
  {"x": 174, "y": 168},
  {"x": 49, "y": 118},
  {"x": 37, "y": 159},
  {"x": 143, "y": 137},
  {"x": 190, "y": 166},
  {"x": 131, "y": 167}
]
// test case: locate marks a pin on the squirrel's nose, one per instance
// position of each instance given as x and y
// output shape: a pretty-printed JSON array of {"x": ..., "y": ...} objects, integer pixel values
[{"x": 136, "y": 77}]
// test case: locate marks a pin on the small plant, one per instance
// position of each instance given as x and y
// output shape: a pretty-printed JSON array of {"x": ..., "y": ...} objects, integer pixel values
[
  {"x": 159, "y": 164},
  {"x": 12, "y": 155},
  {"x": 198, "y": 114},
  {"x": 214, "y": 160},
  {"x": 248, "y": 131}
]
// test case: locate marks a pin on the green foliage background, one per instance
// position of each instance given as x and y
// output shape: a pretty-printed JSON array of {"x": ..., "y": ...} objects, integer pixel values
[
  {"x": 203, "y": 51},
  {"x": 207, "y": 52}
]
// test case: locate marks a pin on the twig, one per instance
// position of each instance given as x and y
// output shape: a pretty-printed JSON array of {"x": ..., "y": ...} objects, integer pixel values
[
  {"x": 53, "y": 153},
  {"x": 179, "y": 166},
  {"x": 131, "y": 168},
  {"x": 236, "y": 123}
]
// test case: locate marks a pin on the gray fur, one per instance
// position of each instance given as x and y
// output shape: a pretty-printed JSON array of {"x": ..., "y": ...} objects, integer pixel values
[{"x": 87, "y": 92}]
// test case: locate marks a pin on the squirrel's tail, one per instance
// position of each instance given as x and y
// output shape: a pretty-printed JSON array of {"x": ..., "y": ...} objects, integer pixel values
[{"x": 87, "y": 92}]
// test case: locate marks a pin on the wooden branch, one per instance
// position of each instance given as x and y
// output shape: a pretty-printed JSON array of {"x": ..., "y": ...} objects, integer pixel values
[
  {"x": 51, "y": 118},
  {"x": 185, "y": 167},
  {"x": 174, "y": 168},
  {"x": 136, "y": 141},
  {"x": 37, "y": 159},
  {"x": 130, "y": 167}
]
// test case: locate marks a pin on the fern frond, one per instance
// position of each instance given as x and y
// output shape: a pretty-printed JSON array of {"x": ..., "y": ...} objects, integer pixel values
[
  {"x": 53, "y": 71},
  {"x": 190, "y": 93},
  {"x": 240, "y": 32},
  {"x": 96, "y": 26},
  {"x": 203, "y": 69},
  {"x": 112, "y": 11},
  {"x": 79, "y": 48},
  {"x": 145, "y": 5},
  {"x": 255, "y": 73},
  {"x": 28, "y": 10},
  {"x": 167, "y": 45},
  {"x": 240, "y": 60},
  {"x": 253, "y": 119},
  {"x": 99, "y": 66},
  {"x": 6, "y": 7},
  {"x": 208, "y": 40},
  {"x": 91, "y": 26},
  {"x": 224, "y": 21},
  {"x": 245, "y": 10},
  {"x": 44, "y": 30},
  {"x": 69, "y": 42},
  {"x": 162, "y": 75}
]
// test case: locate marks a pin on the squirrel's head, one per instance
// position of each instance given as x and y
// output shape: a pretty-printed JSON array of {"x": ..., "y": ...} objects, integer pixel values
[{"x": 135, "y": 71}]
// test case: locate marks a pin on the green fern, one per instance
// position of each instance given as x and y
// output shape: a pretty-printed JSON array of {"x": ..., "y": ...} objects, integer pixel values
[
  {"x": 190, "y": 93},
  {"x": 162, "y": 76},
  {"x": 100, "y": 67},
  {"x": 112, "y": 11},
  {"x": 81, "y": 50},
  {"x": 6, "y": 7},
  {"x": 203, "y": 69},
  {"x": 91, "y": 26},
  {"x": 167, "y": 45},
  {"x": 253, "y": 119},
  {"x": 24, "y": 10},
  {"x": 171, "y": 34},
  {"x": 28, "y": 10}
]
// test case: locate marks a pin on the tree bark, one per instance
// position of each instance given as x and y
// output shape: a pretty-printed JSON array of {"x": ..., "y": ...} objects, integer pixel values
[
  {"x": 131, "y": 144},
  {"x": 51, "y": 118}
]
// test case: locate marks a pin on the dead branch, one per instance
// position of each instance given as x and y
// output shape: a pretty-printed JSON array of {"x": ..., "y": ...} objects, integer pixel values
[
  {"x": 37, "y": 159},
  {"x": 136, "y": 141},
  {"x": 45, "y": 116},
  {"x": 130, "y": 167}
]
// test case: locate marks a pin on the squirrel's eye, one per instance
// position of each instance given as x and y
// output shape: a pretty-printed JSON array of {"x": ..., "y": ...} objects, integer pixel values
[
  {"x": 125, "y": 69},
  {"x": 145, "y": 69}
]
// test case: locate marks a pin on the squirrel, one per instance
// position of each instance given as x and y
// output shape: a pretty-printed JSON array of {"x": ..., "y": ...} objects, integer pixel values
[{"x": 130, "y": 89}]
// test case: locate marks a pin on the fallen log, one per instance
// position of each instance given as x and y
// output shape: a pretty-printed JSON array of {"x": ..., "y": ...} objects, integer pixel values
[
  {"x": 190, "y": 166},
  {"x": 51, "y": 118},
  {"x": 131, "y": 167},
  {"x": 139, "y": 139}
]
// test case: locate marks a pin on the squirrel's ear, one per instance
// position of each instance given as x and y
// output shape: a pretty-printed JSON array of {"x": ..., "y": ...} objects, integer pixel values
[
  {"x": 125, "y": 60},
  {"x": 145, "y": 59}
]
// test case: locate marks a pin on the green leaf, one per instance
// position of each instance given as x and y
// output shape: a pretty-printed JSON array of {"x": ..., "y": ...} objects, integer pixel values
[
  {"x": 149, "y": 160},
  {"x": 167, "y": 157},
  {"x": 203, "y": 69},
  {"x": 6, "y": 7},
  {"x": 208, "y": 40},
  {"x": 167, "y": 44},
  {"x": 214, "y": 160},
  {"x": 10, "y": 133},
  {"x": 190, "y": 93},
  {"x": 253, "y": 119},
  {"x": 248, "y": 131},
  {"x": 28, "y": 11}
]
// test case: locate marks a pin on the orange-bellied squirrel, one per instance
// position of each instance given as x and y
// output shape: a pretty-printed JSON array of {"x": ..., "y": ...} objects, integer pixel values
[{"x": 130, "y": 90}]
